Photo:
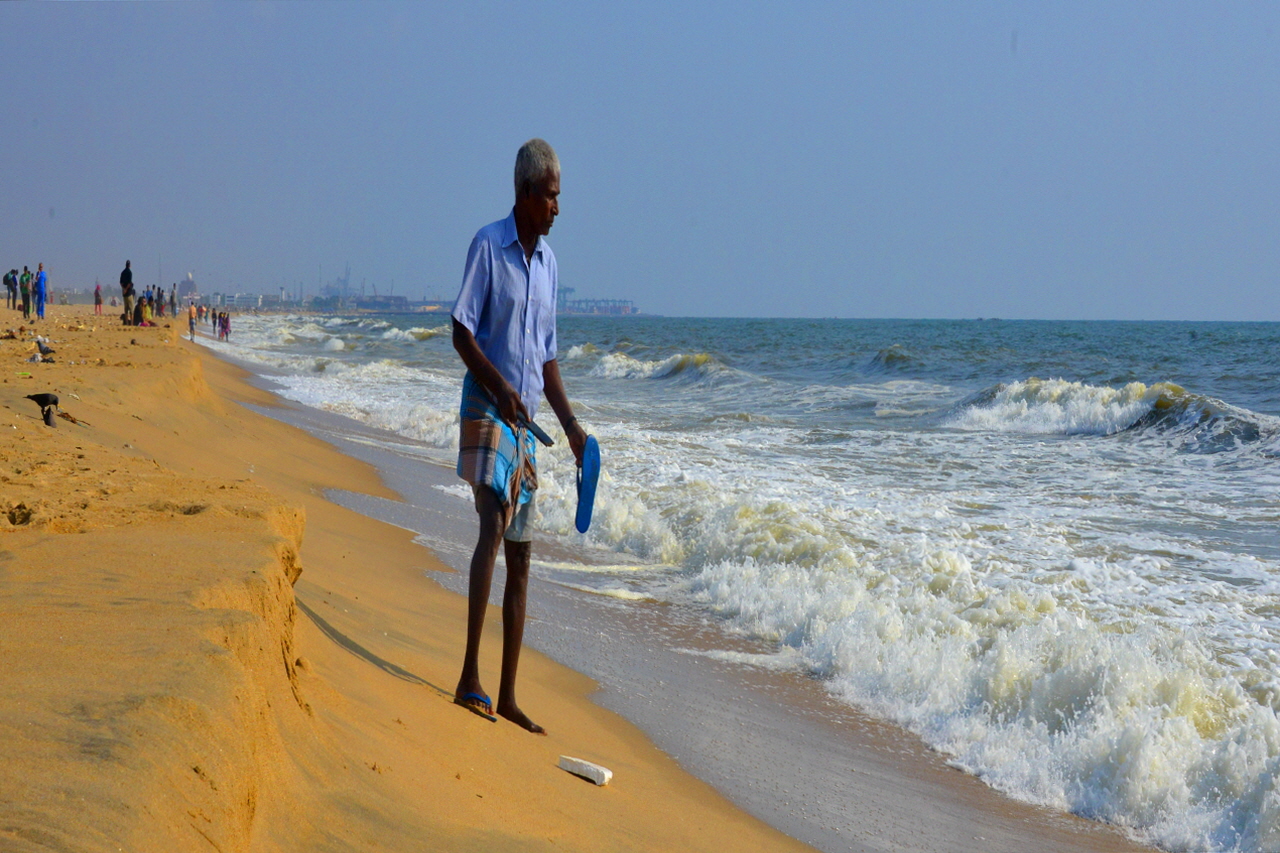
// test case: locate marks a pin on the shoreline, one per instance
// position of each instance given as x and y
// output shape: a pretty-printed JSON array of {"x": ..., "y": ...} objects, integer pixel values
[
  {"x": 358, "y": 725},
  {"x": 813, "y": 767}
]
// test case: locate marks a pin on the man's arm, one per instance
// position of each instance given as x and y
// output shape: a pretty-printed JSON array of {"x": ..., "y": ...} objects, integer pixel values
[
  {"x": 506, "y": 398},
  {"x": 559, "y": 400}
]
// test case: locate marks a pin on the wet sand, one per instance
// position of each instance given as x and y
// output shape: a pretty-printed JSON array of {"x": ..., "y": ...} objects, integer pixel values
[{"x": 204, "y": 651}]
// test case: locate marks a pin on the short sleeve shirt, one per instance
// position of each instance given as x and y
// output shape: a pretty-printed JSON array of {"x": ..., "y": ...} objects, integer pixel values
[{"x": 509, "y": 304}]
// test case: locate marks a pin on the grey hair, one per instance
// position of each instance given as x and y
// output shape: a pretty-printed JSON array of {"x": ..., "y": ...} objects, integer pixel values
[{"x": 534, "y": 160}]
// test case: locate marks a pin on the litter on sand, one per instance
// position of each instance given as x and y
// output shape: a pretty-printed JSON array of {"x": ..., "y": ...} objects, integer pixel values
[{"x": 587, "y": 770}]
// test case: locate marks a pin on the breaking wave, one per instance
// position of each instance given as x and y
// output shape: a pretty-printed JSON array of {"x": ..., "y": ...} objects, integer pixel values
[
  {"x": 1058, "y": 407},
  {"x": 622, "y": 366},
  {"x": 417, "y": 333}
]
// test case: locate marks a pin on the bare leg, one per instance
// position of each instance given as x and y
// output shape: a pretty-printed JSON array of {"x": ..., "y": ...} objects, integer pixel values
[
  {"x": 492, "y": 525},
  {"x": 513, "y": 610}
]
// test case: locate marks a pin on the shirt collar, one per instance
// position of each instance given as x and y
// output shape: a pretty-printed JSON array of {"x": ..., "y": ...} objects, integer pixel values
[{"x": 511, "y": 235}]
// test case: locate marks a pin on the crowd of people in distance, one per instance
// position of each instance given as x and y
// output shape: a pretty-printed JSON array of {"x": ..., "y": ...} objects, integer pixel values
[
  {"x": 145, "y": 315},
  {"x": 219, "y": 321},
  {"x": 27, "y": 292},
  {"x": 146, "y": 309}
]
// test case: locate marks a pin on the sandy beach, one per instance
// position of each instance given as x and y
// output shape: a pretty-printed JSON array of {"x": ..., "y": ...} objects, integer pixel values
[{"x": 202, "y": 651}]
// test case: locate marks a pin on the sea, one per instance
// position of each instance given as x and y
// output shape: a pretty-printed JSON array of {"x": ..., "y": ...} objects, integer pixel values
[{"x": 1050, "y": 550}]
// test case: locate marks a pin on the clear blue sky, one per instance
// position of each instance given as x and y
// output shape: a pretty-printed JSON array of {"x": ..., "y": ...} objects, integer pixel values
[{"x": 1018, "y": 160}]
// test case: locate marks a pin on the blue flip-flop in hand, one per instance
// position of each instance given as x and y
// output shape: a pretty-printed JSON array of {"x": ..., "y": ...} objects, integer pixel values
[{"x": 588, "y": 475}]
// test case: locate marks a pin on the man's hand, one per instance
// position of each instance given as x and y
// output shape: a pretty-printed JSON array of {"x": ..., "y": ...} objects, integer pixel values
[
  {"x": 510, "y": 406},
  {"x": 577, "y": 440}
]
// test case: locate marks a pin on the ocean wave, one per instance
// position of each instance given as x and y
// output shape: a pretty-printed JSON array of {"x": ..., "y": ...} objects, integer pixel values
[
  {"x": 1136, "y": 725},
  {"x": 1204, "y": 424},
  {"x": 617, "y": 365},
  {"x": 417, "y": 333},
  {"x": 336, "y": 322},
  {"x": 386, "y": 394},
  {"x": 893, "y": 359},
  {"x": 287, "y": 334},
  {"x": 1059, "y": 407}
]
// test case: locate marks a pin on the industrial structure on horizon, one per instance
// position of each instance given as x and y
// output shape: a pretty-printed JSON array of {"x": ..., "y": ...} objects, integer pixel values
[
  {"x": 566, "y": 304},
  {"x": 339, "y": 295}
]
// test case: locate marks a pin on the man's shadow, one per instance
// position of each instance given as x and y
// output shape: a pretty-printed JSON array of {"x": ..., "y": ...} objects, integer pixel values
[{"x": 364, "y": 654}]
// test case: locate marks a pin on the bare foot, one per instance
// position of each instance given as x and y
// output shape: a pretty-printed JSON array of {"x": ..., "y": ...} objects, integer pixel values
[{"x": 518, "y": 717}]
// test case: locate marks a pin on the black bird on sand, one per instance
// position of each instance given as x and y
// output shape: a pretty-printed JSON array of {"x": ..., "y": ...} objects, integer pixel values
[
  {"x": 44, "y": 350},
  {"x": 48, "y": 404}
]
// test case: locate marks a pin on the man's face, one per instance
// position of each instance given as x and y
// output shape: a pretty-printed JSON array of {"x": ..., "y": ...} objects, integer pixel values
[{"x": 540, "y": 206}]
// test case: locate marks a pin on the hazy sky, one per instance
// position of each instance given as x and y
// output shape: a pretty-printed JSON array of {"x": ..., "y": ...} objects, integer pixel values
[{"x": 1018, "y": 160}]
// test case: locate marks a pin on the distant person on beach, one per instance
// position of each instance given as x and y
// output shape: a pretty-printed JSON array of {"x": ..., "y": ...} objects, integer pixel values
[
  {"x": 173, "y": 300},
  {"x": 504, "y": 328},
  {"x": 97, "y": 298},
  {"x": 41, "y": 291},
  {"x": 126, "y": 292},
  {"x": 191, "y": 319},
  {"x": 24, "y": 289},
  {"x": 11, "y": 289}
]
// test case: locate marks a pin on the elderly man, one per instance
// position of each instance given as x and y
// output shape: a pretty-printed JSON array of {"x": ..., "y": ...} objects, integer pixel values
[{"x": 504, "y": 328}]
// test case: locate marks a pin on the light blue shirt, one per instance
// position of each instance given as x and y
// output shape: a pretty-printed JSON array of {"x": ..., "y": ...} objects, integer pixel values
[{"x": 510, "y": 306}]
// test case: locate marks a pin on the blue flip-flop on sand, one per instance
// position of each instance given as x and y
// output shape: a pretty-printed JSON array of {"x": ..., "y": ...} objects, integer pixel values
[
  {"x": 588, "y": 475},
  {"x": 478, "y": 704}
]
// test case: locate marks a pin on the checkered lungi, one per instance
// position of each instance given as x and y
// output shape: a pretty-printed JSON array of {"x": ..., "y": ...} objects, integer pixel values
[{"x": 490, "y": 452}]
